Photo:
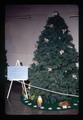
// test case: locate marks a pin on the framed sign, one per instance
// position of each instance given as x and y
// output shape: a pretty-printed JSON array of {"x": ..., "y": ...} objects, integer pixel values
[{"x": 17, "y": 73}]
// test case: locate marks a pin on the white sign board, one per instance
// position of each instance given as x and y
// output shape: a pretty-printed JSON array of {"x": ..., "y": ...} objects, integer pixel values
[{"x": 17, "y": 73}]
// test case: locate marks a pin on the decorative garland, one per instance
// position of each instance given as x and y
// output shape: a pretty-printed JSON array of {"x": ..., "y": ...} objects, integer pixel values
[
  {"x": 50, "y": 107},
  {"x": 51, "y": 90},
  {"x": 38, "y": 103}
]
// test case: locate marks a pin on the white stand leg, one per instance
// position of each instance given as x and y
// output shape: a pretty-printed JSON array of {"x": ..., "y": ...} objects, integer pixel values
[
  {"x": 24, "y": 88},
  {"x": 9, "y": 89}
]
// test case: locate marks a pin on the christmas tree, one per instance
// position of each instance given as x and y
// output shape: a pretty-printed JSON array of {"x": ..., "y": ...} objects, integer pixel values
[{"x": 55, "y": 65}]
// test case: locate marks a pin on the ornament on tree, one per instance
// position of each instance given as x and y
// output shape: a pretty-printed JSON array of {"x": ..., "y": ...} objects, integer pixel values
[
  {"x": 74, "y": 76},
  {"x": 47, "y": 53},
  {"x": 65, "y": 71},
  {"x": 61, "y": 52},
  {"x": 64, "y": 30},
  {"x": 51, "y": 25},
  {"x": 55, "y": 13},
  {"x": 77, "y": 65},
  {"x": 70, "y": 46},
  {"x": 46, "y": 40},
  {"x": 59, "y": 38},
  {"x": 49, "y": 69}
]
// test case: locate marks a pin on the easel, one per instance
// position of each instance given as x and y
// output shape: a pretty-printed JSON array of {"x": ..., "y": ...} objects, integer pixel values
[{"x": 23, "y": 83}]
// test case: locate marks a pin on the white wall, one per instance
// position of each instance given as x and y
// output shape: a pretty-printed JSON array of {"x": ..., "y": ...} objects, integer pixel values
[{"x": 21, "y": 33}]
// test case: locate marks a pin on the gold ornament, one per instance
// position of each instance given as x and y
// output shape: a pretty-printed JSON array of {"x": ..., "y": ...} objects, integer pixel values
[{"x": 39, "y": 101}]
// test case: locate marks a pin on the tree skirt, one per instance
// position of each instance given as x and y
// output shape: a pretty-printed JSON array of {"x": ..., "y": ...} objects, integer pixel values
[{"x": 50, "y": 107}]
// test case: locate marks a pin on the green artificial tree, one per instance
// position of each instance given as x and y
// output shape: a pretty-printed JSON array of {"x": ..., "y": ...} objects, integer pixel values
[{"x": 55, "y": 65}]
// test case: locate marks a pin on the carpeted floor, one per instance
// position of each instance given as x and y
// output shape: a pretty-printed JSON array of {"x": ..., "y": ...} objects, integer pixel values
[{"x": 14, "y": 106}]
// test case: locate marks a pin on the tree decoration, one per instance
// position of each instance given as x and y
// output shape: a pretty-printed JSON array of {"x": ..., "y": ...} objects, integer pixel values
[
  {"x": 46, "y": 40},
  {"x": 60, "y": 106},
  {"x": 47, "y": 53},
  {"x": 49, "y": 69},
  {"x": 59, "y": 38},
  {"x": 64, "y": 104},
  {"x": 51, "y": 25},
  {"x": 70, "y": 46},
  {"x": 61, "y": 52},
  {"x": 55, "y": 13},
  {"x": 77, "y": 65},
  {"x": 65, "y": 71},
  {"x": 39, "y": 101},
  {"x": 74, "y": 76},
  {"x": 64, "y": 30}
]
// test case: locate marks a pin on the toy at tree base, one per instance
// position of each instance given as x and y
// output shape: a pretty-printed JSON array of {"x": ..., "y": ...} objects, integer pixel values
[
  {"x": 39, "y": 101},
  {"x": 64, "y": 104}
]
